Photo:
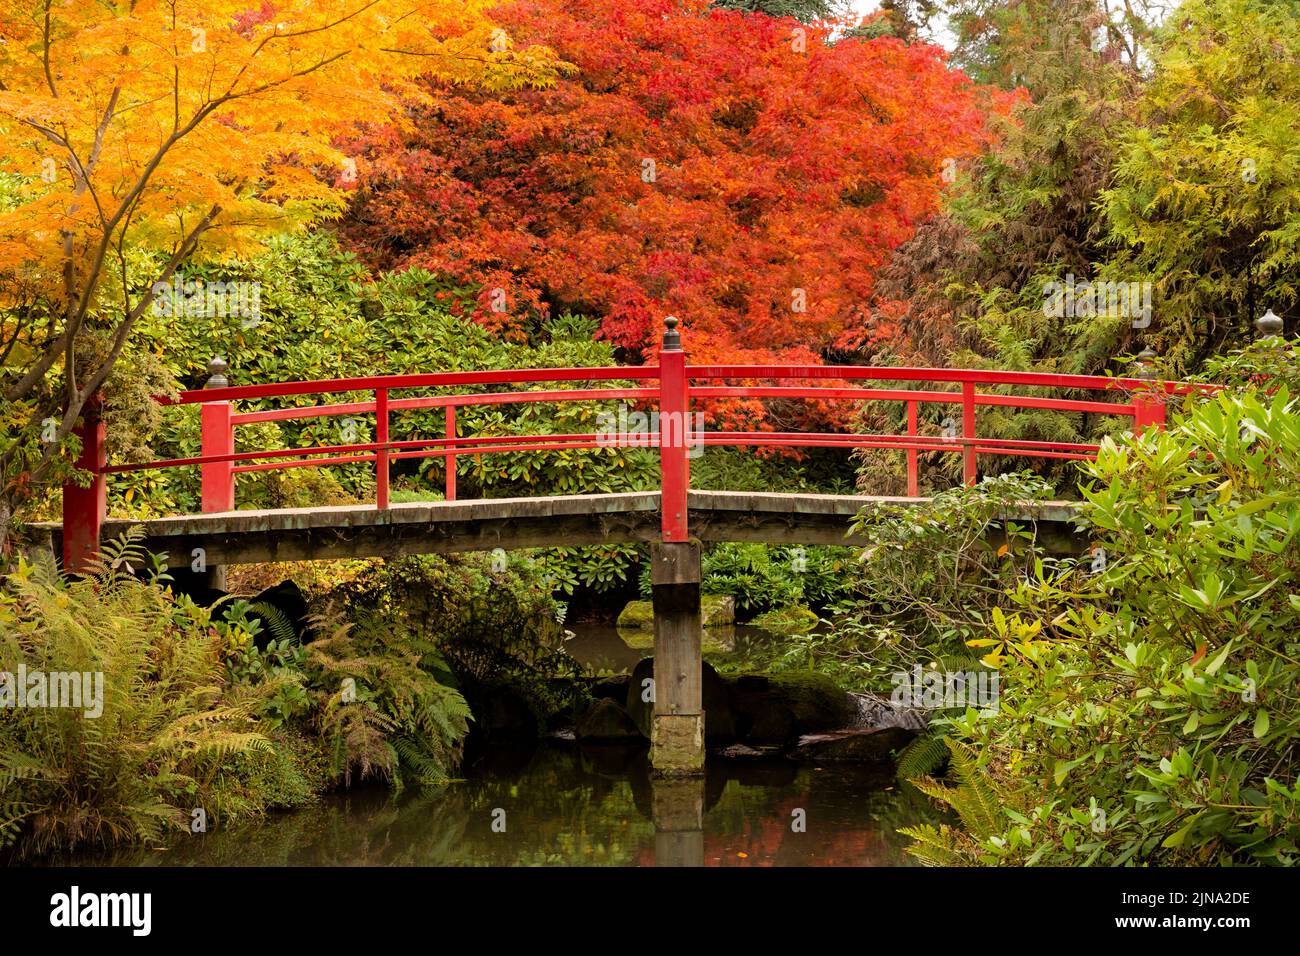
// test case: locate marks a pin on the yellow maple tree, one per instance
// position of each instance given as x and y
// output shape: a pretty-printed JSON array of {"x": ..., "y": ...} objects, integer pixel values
[{"x": 190, "y": 128}]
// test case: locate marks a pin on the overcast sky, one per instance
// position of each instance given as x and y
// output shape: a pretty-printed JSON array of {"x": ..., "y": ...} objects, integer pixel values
[{"x": 863, "y": 7}]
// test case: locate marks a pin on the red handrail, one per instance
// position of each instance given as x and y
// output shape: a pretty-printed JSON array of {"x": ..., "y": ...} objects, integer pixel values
[{"x": 675, "y": 386}]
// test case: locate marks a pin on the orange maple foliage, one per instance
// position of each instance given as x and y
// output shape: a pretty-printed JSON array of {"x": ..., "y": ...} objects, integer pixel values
[{"x": 745, "y": 173}]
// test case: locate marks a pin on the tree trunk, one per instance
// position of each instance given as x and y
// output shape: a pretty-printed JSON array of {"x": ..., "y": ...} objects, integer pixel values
[{"x": 6, "y": 514}]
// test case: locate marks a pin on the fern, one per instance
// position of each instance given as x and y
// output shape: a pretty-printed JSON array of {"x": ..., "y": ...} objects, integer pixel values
[
  {"x": 977, "y": 802},
  {"x": 276, "y": 621},
  {"x": 924, "y": 756},
  {"x": 404, "y": 724},
  {"x": 170, "y": 736}
]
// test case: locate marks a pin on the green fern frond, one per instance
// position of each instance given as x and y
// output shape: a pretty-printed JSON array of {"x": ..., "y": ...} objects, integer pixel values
[
  {"x": 277, "y": 622},
  {"x": 925, "y": 756},
  {"x": 935, "y": 846},
  {"x": 975, "y": 798}
]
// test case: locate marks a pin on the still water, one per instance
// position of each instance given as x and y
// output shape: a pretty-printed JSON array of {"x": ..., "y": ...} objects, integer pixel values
[
  {"x": 562, "y": 805},
  {"x": 607, "y": 649}
]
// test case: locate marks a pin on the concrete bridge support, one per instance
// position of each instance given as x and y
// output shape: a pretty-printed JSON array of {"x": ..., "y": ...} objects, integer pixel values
[{"x": 677, "y": 728}]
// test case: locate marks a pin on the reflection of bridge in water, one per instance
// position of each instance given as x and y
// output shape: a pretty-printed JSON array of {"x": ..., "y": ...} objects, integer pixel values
[{"x": 674, "y": 519}]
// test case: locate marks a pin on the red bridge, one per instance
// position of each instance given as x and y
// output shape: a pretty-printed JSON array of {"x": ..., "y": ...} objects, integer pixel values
[
  {"x": 670, "y": 389},
  {"x": 673, "y": 518}
]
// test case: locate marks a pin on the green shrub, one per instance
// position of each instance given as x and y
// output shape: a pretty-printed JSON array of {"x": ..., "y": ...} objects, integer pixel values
[
  {"x": 929, "y": 578},
  {"x": 473, "y": 625},
  {"x": 765, "y": 577},
  {"x": 1148, "y": 710}
]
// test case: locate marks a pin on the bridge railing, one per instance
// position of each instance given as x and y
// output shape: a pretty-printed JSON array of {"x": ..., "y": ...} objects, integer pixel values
[{"x": 669, "y": 388}]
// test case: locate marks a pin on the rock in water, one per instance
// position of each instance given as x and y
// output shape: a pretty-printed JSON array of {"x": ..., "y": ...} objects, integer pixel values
[
  {"x": 875, "y": 745},
  {"x": 869, "y": 712},
  {"x": 611, "y": 688},
  {"x": 607, "y": 722},
  {"x": 636, "y": 615},
  {"x": 773, "y": 710},
  {"x": 741, "y": 752},
  {"x": 716, "y": 610}
]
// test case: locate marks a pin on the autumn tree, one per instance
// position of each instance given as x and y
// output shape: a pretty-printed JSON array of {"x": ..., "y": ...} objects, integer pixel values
[
  {"x": 745, "y": 173},
  {"x": 1206, "y": 192},
  {"x": 968, "y": 288},
  {"x": 804, "y": 10},
  {"x": 188, "y": 128}
]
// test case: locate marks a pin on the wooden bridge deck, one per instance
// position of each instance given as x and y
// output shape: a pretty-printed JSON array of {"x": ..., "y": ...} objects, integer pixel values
[{"x": 356, "y": 531}]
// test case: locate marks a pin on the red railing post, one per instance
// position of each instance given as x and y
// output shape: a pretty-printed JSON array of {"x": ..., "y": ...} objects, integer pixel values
[
  {"x": 84, "y": 508},
  {"x": 450, "y": 457},
  {"x": 381, "y": 453},
  {"x": 1148, "y": 411},
  {"x": 217, "y": 437},
  {"x": 968, "y": 432},
  {"x": 1149, "y": 402},
  {"x": 913, "y": 457},
  {"x": 674, "y": 426}
]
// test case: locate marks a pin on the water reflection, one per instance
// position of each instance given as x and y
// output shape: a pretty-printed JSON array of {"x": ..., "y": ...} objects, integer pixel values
[
  {"x": 565, "y": 805},
  {"x": 603, "y": 648}
]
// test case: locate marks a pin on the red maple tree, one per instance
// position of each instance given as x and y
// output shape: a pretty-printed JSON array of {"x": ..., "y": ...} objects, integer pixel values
[{"x": 745, "y": 173}]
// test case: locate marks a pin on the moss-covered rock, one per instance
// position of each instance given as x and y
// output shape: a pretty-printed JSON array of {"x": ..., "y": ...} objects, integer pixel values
[
  {"x": 787, "y": 621},
  {"x": 637, "y": 615},
  {"x": 776, "y": 709},
  {"x": 817, "y": 701},
  {"x": 716, "y": 610},
  {"x": 607, "y": 722}
]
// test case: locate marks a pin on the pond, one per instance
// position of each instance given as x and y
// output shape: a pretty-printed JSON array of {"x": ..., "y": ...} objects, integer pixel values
[
  {"x": 564, "y": 804},
  {"x": 603, "y": 648},
  {"x": 559, "y": 804}
]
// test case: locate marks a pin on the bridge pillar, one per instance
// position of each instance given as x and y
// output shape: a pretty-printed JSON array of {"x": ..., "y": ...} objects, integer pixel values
[{"x": 677, "y": 728}]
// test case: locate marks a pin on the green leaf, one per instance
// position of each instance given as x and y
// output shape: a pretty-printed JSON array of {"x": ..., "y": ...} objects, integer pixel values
[
  {"x": 1261, "y": 723},
  {"x": 1219, "y": 658},
  {"x": 1176, "y": 839},
  {"x": 1063, "y": 768}
]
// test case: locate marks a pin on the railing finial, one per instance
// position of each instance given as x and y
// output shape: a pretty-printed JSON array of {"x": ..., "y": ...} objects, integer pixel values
[
  {"x": 1145, "y": 363},
  {"x": 217, "y": 367},
  {"x": 1268, "y": 325},
  {"x": 672, "y": 338}
]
